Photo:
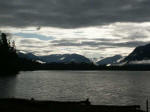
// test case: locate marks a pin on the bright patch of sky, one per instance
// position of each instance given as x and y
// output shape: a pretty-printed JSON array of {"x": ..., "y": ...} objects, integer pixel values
[{"x": 32, "y": 35}]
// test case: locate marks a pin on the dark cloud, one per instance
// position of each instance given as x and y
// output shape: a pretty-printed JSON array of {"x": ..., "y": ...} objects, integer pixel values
[
  {"x": 131, "y": 31},
  {"x": 99, "y": 44},
  {"x": 136, "y": 35},
  {"x": 72, "y": 13},
  {"x": 106, "y": 39}
]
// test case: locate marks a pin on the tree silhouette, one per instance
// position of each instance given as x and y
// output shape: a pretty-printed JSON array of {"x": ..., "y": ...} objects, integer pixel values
[{"x": 8, "y": 55}]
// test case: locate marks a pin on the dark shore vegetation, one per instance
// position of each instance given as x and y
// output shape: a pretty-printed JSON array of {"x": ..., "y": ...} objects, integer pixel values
[{"x": 24, "y": 105}]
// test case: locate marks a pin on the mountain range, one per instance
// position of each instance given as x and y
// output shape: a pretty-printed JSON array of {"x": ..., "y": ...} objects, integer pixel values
[
  {"x": 57, "y": 58},
  {"x": 140, "y": 53}
]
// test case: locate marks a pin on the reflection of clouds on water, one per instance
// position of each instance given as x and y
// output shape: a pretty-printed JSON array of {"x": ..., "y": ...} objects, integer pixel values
[{"x": 7, "y": 86}]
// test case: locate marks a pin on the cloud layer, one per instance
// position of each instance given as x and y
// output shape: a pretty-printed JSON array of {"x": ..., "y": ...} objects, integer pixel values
[
  {"x": 72, "y": 13},
  {"x": 101, "y": 41},
  {"x": 95, "y": 28}
]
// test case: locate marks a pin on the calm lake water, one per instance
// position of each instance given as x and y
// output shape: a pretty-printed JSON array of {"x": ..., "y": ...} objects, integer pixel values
[{"x": 101, "y": 87}]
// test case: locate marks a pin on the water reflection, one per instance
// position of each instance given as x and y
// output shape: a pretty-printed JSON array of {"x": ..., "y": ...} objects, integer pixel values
[
  {"x": 7, "y": 86},
  {"x": 101, "y": 87}
]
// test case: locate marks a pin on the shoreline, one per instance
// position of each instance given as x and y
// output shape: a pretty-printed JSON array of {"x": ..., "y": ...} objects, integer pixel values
[{"x": 32, "y": 105}]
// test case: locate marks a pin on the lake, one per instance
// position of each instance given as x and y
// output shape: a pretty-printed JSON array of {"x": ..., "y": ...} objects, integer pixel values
[{"x": 101, "y": 87}]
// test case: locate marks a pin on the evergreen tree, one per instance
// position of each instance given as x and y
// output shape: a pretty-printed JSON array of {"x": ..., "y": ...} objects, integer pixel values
[{"x": 8, "y": 55}]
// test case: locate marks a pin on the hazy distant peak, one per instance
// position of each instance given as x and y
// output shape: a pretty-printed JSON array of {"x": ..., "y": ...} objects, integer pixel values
[{"x": 109, "y": 60}]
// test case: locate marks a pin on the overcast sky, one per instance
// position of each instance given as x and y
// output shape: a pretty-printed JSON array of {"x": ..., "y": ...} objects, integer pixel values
[{"x": 94, "y": 28}]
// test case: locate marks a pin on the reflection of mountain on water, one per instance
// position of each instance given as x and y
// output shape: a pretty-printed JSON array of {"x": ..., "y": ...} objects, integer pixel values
[{"x": 7, "y": 86}]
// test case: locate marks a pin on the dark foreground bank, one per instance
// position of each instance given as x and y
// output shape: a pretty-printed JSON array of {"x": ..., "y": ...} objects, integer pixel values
[{"x": 24, "y": 105}]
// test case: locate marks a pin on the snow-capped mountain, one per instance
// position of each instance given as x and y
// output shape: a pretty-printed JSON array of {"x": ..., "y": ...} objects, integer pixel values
[
  {"x": 57, "y": 58},
  {"x": 64, "y": 58},
  {"x": 109, "y": 60},
  {"x": 138, "y": 54}
]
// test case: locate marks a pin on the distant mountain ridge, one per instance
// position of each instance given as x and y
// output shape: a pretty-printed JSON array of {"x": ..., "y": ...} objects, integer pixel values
[
  {"x": 29, "y": 56},
  {"x": 64, "y": 58},
  {"x": 57, "y": 58}
]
